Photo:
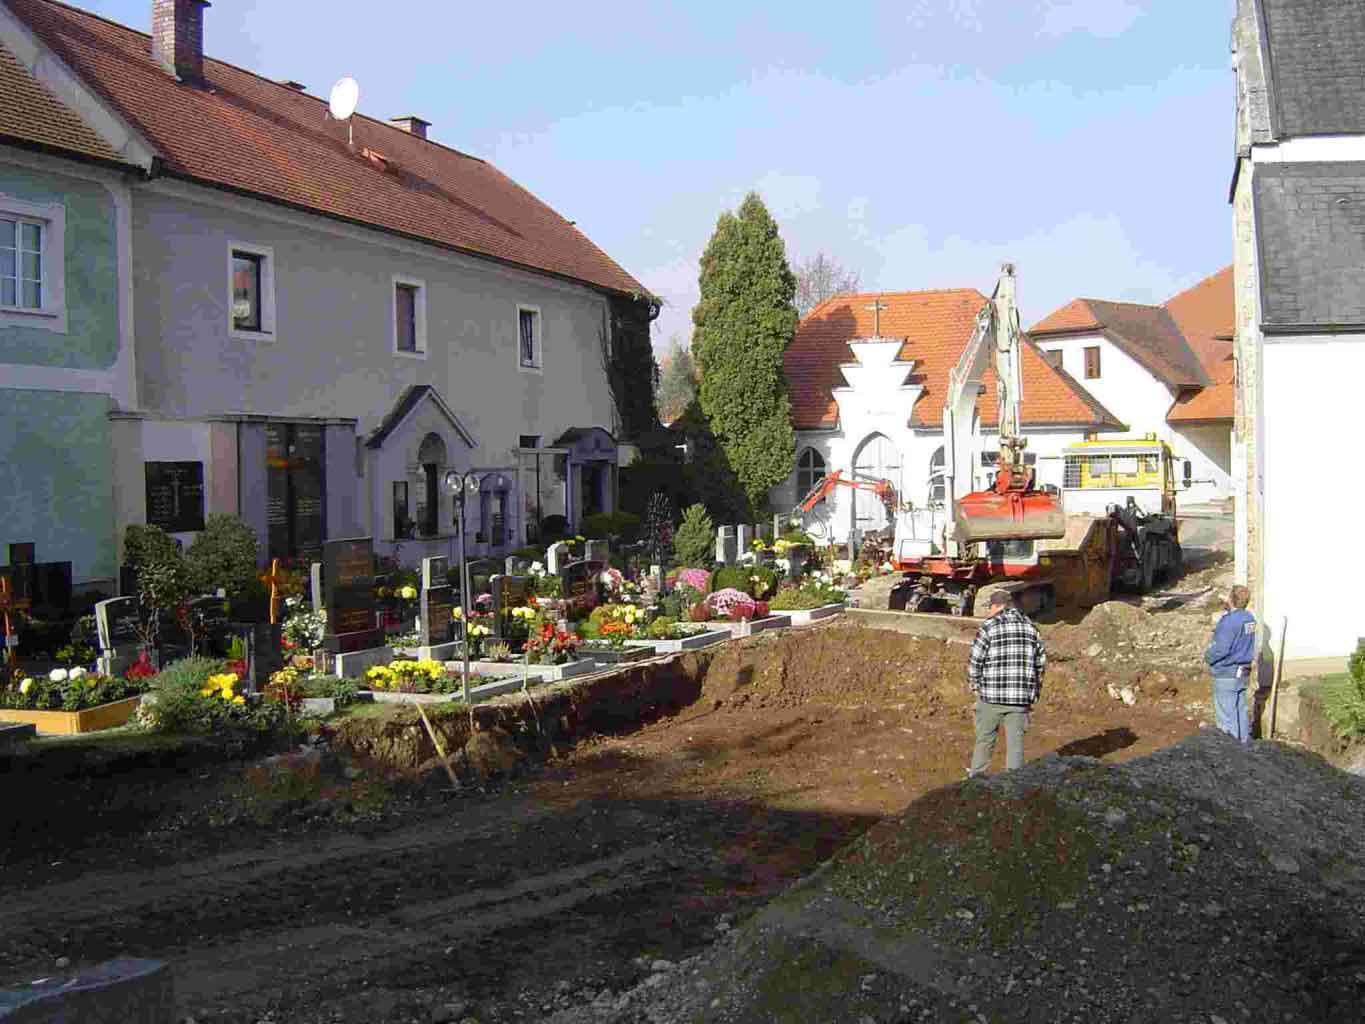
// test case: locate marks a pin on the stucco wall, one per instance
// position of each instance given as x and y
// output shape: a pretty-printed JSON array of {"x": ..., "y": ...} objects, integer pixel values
[
  {"x": 1125, "y": 387},
  {"x": 1312, "y": 498},
  {"x": 1209, "y": 449},
  {"x": 56, "y": 479},
  {"x": 332, "y": 354},
  {"x": 91, "y": 339}
]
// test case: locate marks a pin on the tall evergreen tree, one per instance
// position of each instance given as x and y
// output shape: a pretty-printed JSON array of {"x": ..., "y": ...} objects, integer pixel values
[
  {"x": 744, "y": 322},
  {"x": 677, "y": 381}
]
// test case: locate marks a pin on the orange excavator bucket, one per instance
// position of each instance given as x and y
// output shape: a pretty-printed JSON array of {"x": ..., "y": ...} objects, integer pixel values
[{"x": 1009, "y": 511}]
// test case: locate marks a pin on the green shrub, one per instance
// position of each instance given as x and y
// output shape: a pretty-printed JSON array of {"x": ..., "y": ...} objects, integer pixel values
[
  {"x": 343, "y": 691},
  {"x": 624, "y": 526},
  {"x": 694, "y": 542},
  {"x": 736, "y": 576},
  {"x": 224, "y": 555},
  {"x": 790, "y": 599},
  {"x": 549, "y": 586},
  {"x": 798, "y": 537},
  {"x": 144, "y": 544},
  {"x": 1343, "y": 698},
  {"x": 662, "y": 627},
  {"x": 177, "y": 704}
]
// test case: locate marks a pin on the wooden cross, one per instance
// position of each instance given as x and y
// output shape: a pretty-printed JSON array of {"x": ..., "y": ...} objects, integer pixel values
[
  {"x": 877, "y": 308},
  {"x": 273, "y": 579}
]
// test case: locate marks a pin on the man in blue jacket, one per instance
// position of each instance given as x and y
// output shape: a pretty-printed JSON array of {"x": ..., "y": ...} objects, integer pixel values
[{"x": 1230, "y": 656}]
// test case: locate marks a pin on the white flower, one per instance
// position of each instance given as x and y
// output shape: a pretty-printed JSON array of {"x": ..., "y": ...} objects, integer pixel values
[
  {"x": 75, "y": 673},
  {"x": 57, "y": 675},
  {"x": 537, "y": 569},
  {"x": 26, "y": 685}
]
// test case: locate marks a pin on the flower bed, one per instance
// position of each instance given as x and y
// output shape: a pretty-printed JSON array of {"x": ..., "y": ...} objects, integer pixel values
[
  {"x": 70, "y": 723},
  {"x": 65, "y": 690}
]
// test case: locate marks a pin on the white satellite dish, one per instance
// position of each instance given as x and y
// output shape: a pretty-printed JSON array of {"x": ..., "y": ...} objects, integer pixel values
[{"x": 345, "y": 96}]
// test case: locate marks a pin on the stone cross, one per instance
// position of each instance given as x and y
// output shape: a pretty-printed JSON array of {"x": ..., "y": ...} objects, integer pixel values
[
  {"x": 315, "y": 579},
  {"x": 876, "y": 309}
]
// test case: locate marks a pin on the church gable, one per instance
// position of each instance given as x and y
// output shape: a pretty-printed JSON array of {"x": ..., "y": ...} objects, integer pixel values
[{"x": 876, "y": 385}]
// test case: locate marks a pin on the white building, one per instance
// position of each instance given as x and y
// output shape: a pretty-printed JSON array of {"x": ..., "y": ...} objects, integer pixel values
[
  {"x": 1299, "y": 217},
  {"x": 867, "y": 390},
  {"x": 1162, "y": 370}
]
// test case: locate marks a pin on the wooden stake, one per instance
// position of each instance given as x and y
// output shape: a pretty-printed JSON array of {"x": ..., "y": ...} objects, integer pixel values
[
  {"x": 274, "y": 579},
  {"x": 1275, "y": 683},
  {"x": 440, "y": 748}
]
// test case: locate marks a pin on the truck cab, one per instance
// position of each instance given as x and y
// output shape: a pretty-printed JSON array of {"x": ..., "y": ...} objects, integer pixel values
[{"x": 1099, "y": 475}]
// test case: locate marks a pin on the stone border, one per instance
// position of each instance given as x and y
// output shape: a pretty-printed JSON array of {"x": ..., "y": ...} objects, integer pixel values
[
  {"x": 805, "y": 616},
  {"x": 543, "y": 673},
  {"x": 691, "y": 643},
  {"x": 738, "y": 629}
]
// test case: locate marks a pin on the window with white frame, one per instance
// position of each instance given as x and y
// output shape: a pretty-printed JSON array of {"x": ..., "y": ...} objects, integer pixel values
[
  {"x": 938, "y": 480},
  {"x": 810, "y": 470},
  {"x": 32, "y": 264},
  {"x": 251, "y": 291},
  {"x": 528, "y": 338},
  {"x": 409, "y": 316}
]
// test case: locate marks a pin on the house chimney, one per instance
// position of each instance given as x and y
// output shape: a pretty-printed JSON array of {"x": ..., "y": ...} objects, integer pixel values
[
  {"x": 412, "y": 124},
  {"x": 178, "y": 37}
]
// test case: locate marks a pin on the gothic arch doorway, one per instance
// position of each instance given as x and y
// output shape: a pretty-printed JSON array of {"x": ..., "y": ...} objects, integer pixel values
[{"x": 877, "y": 458}]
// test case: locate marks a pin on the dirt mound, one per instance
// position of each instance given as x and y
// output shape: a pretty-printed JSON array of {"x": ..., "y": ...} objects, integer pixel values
[
  {"x": 840, "y": 667},
  {"x": 1067, "y": 890}
]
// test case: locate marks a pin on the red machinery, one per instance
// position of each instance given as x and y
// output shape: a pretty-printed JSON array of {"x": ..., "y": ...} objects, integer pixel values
[{"x": 881, "y": 488}]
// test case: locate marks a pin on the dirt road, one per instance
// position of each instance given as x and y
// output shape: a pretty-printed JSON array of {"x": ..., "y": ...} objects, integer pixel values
[{"x": 505, "y": 904}]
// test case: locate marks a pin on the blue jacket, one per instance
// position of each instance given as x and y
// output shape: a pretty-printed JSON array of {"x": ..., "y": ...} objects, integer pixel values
[{"x": 1234, "y": 644}]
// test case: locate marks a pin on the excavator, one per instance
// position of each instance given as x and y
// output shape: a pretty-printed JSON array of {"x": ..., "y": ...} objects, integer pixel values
[{"x": 1015, "y": 534}]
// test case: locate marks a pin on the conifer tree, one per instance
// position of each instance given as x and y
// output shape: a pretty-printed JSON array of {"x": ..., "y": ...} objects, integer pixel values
[{"x": 744, "y": 322}]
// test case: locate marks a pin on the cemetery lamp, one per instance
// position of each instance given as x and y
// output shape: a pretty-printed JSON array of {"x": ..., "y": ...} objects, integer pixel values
[{"x": 463, "y": 488}]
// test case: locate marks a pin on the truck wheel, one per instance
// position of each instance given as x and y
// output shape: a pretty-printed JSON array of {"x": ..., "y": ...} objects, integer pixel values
[{"x": 963, "y": 606}]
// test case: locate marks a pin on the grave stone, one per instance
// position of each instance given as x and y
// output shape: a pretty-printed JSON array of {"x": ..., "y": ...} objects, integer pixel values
[
  {"x": 315, "y": 585},
  {"x": 24, "y": 553},
  {"x": 725, "y": 545},
  {"x": 263, "y": 655},
  {"x": 744, "y": 538},
  {"x": 210, "y": 618},
  {"x": 796, "y": 560},
  {"x": 117, "y": 622},
  {"x": 436, "y": 623},
  {"x": 597, "y": 551},
  {"x": 509, "y": 592},
  {"x": 556, "y": 557},
  {"x": 515, "y": 565},
  {"x": 778, "y": 525},
  {"x": 579, "y": 583},
  {"x": 348, "y": 575}
]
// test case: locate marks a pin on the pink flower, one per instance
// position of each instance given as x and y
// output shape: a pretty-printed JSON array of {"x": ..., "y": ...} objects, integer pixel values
[
  {"x": 697, "y": 579},
  {"x": 731, "y": 604}
]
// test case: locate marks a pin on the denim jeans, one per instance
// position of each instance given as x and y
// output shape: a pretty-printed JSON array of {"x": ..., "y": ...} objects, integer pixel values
[
  {"x": 1230, "y": 707},
  {"x": 989, "y": 719}
]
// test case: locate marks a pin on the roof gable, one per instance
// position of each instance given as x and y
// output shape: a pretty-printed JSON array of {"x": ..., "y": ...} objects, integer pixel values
[
  {"x": 245, "y": 133},
  {"x": 408, "y": 402},
  {"x": 1206, "y": 315},
  {"x": 1148, "y": 334},
  {"x": 935, "y": 327}
]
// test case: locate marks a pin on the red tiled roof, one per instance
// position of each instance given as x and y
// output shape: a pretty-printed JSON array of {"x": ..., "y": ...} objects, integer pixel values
[
  {"x": 1206, "y": 314},
  {"x": 936, "y": 327},
  {"x": 1147, "y": 333},
  {"x": 249, "y": 134},
  {"x": 1213, "y": 404},
  {"x": 31, "y": 114}
]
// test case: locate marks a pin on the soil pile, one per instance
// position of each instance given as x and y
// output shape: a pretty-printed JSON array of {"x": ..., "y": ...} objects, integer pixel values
[
  {"x": 1206, "y": 882},
  {"x": 1128, "y": 641}
]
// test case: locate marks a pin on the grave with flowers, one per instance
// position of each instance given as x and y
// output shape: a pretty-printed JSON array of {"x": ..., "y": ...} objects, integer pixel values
[{"x": 71, "y": 701}]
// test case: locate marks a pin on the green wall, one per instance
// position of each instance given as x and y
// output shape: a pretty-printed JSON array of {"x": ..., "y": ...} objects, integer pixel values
[
  {"x": 92, "y": 338},
  {"x": 56, "y": 479}
]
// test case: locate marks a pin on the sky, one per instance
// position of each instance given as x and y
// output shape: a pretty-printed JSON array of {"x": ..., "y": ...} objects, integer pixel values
[{"x": 920, "y": 143}]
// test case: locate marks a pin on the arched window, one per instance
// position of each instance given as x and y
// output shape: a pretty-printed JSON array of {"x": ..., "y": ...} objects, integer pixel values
[
  {"x": 877, "y": 458},
  {"x": 431, "y": 456},
  {"x": 810, "y": 470},
  {"x": 937, "y": 479}
]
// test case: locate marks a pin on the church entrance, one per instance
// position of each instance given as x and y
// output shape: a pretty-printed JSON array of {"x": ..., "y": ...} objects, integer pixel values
[{"x": 877, "y": 458}]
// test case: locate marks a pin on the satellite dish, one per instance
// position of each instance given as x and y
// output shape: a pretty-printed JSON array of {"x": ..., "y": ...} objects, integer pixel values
[{"x": 345, "y": 96}]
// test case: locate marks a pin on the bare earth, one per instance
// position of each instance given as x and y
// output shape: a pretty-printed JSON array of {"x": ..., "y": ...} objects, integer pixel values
[{"x": 545, "y": 891}]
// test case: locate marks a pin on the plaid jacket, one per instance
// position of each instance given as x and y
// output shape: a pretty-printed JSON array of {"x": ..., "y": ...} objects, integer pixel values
[{"x": 1008, "y": 660}]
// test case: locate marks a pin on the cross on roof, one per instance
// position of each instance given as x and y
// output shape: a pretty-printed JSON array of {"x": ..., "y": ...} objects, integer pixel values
[{"x": 877, "y": 307}]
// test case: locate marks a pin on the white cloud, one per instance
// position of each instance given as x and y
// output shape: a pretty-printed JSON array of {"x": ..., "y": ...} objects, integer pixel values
[{"x": 1106, "y": 19}]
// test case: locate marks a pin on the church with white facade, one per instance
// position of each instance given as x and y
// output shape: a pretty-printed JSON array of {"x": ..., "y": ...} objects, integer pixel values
[{"x": 868, "y": 376}]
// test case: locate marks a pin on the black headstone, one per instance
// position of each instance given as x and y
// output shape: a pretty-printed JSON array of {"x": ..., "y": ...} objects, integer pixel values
[
  {"x": 50, "y": 587},
  {"x": 348, "y": 579},
  {"x": 263, "y": 655},
  {"x": 509, "y": 592},
  {"x": 118, "y": 621},
  {"x": 209, "y": 616},
  {"x": 23, "y": 554},
  {"x": 175, "y": 496},
  {"x": 579, "y": 583}
]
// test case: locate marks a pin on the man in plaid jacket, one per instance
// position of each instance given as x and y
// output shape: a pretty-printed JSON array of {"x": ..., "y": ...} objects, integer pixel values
[{"x": 1006, "y": 674}]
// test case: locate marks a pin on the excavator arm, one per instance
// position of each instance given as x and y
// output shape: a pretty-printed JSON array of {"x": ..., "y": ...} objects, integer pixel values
[{"x": 883, "y": 489}]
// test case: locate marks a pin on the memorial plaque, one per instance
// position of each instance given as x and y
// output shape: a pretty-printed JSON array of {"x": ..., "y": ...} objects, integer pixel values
[
  {"x": 509, "y": 592},
  {"x": 118, "y": 621},
  {"x": 435, "y": 572},
  {"x": 348, "y": 576},
  {"x": 175, "y": 496}
]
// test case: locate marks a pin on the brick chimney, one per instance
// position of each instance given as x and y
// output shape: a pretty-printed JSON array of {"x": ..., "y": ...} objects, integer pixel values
[
  {"x": 412, "y": 124},
  {"x": 178, "y": 37}
]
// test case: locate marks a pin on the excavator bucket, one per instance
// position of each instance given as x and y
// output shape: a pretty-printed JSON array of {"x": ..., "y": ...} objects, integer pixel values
[{"x": 1012, "y": 515}]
